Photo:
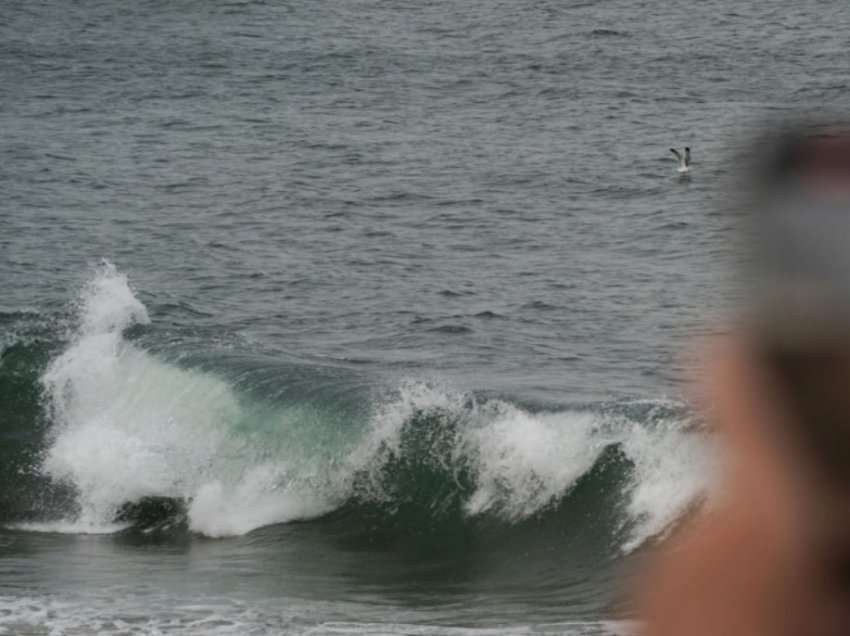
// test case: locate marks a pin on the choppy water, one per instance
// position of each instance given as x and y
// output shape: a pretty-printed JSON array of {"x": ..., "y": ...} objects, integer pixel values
[{"x": 389, "y": 335}]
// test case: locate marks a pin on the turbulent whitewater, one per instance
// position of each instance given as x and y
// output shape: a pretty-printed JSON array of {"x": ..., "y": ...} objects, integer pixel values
[{"x": 137, "y": 438}]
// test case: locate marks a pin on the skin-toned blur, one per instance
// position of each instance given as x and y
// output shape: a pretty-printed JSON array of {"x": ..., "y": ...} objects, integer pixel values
[{"x": 769, "y": 553}]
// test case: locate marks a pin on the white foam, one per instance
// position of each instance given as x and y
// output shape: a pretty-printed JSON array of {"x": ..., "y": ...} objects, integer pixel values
[
  {"x": 108, "y": 305},
  {"x": 116, "y": 613},
  {"x": 526, "y": 462},
  {"x": 262, "y": 497},
  {"x": 383, "y": 437},
  {"x": 523, "y": 462},
  {"x": 83, "y": 526},
  {"x": 126, "y": 425},
  {"x": 672, "y": 469}
]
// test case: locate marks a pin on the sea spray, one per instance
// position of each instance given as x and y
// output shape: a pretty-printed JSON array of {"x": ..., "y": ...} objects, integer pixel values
[
  {"x": 125, "y": 425},
  {"x": 671, "y": 469},
  {"x": 526, "y": 462}
]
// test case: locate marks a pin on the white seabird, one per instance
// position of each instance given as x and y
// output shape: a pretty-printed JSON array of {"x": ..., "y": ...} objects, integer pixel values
[{"x": 684, "y": 160}]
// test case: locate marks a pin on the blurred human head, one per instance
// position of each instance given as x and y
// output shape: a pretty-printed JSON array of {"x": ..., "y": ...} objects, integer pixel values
[
  {"x": 771, "y": 554},
  {"x": 799, "y": 319}
]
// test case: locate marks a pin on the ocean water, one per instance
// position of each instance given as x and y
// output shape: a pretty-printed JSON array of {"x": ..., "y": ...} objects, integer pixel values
[{"x": 366, "y": 317}]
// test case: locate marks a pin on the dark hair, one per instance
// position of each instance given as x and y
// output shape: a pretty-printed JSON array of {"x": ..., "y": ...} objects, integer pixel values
[{"x": 807, "y": 150}]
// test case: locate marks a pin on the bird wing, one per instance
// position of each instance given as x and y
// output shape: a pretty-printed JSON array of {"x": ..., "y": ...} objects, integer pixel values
[{"x": 677, "y": 153}]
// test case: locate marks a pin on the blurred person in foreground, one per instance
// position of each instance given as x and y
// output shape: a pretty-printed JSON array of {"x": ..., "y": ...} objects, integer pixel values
[{"x": 770, "y": 554}]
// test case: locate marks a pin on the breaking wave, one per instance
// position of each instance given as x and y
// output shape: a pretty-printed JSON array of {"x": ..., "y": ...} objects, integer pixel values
[{"x": 136, "y": 440}]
